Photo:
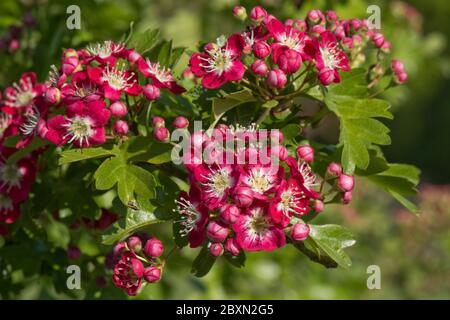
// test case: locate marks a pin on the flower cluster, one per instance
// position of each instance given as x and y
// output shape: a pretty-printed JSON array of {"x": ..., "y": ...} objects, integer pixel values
[
  {"x": 251, "y": 197},
  {"x": 275, "y": 51},
  {"x": 137, "y": 259},
  {"x": 90, "y": 86},
  {"x": 17, "y": 112}
]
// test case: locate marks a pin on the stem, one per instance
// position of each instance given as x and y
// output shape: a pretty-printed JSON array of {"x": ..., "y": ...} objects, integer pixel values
[{"x": 263, "y": 116}]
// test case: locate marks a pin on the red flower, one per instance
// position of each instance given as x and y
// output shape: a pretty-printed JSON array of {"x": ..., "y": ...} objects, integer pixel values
[
  {"x": 219, "y": 64},
  {"x": 128, "y": 273},
  {"x": 83, "y": 126},
  {"x": 21, "y": 95},
  {"x": 255, "y": 231},
  {"x": 329, "y": 58},
  {"x": 161, "y": 77}
]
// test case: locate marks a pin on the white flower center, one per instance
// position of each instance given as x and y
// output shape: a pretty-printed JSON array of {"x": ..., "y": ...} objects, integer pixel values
[
  {"x": 79, "y": 129},
  {"x": 32, "y": 118},
  {"x": 163, "y": 74},
  {"x": 292, "y": 41},
  {"x": 10, "y": 176},
  {"x": 259, "y": 181},
  {"x": 289, "y": 200},
  {"x": 104, "y": 50},
  {"x": 217, "y": 182},
  {"x": 219, "y": 60},
  {"x": 5, "y": 121},
  {"x": 257, "y": 224},
  {"x": 22, "y": 95},
  {"x": 330, "y": 56},
  {"x": 189, "y": 215},
  {"x": 309, "y": 179},
  {"x": 116, "y": 78}
]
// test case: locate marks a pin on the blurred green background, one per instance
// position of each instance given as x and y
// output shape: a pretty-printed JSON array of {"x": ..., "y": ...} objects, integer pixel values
[{"x": 412, "y": 252}]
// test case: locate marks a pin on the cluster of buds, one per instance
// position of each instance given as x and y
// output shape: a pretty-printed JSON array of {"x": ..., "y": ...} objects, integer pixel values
[
  {"x": 271, "y": 54},
  {"x": 11, "y": 40},
  {"x": 90, "y": 87},
  {"x": 247, "y": 198},
  {"x": 161, "y": 133},
  {"x": 137, "y": 262}
]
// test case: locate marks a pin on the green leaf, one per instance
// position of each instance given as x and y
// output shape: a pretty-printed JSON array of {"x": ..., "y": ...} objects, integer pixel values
[
  {"x": 131, "y": 180},
  {"x": 203, "y": 263},
  {"x": 157, "y": 153},
  {"x": 145, "y": 41},
  {"x": 353, "y": 83},
  {"x": 135, "y": 221},
  {"x": 399, "y": 180},
  {"x": 58, "y": 233},
  {"x": 236, "y": 261},
  {"x": 359, "y": 129},
  {"x": 75, "y": 155},
  {"x": 326, "y": 244},
  {"x": 229, "y": 101},
  {"x": 270, "y": 104}
]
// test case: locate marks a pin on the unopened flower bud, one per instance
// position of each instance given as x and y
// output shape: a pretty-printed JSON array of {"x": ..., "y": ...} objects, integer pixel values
[
  {"x": 243, "y": 196},
  {"x": 318, "y": 206},
  {"x": 258, "y": 14},
  {"x": 151, "y": 92},
  {"x": 346, "y": 182},
  {"x": 240, "y": 13},
  {"x": 161, "y": 134},
  {"x": 158, "y": 122},
  {"x": 289, "y": 61},
  {"x": 232, "y": 247},
  {"x": 118, "y": 109},
  {"x": 259, "y": 67},
  {"x": 261, "y": 49},
  {"x": 300, "y": 231},
  {"x": 154, "y": 248},
  {"x": 334, "y": 169},
  {"x": 276, "y": 79},
  {"x": 229, "y": 214},
  {"x": 216, "y": 249},
  {"x": 306, "y": 153},
  {"x": 180, "y": 122},
  {"x": 121, "y": 128},
  {"x": 347, "y": 197},
  {"x": 152, "y": 274},
  {"x": 52, "y": 95},
  {"x": 216, "y": 232},
  {"x": 134, "y": 244}
]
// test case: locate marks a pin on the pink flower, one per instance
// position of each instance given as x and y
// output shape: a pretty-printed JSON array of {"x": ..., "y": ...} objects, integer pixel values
[
  {"x": 161, "y": 77},
  {"x": 83, "y": 126},
  {"x": 114, "y": 81},
  {"x": 329, "y": 58},
  {"x": 219, "y": 64},
  {"x": 216, "y": 183},
  {"x": 106, "y": 52},
  {"x": 21, "y": 95},
  {"x": 261, "y": 179},
  {"x": 194, "y": 216},
  {"x": 255, "y": 231},
  {"x": 128, "y": 273},
  {"x": 290, "y": 199}
]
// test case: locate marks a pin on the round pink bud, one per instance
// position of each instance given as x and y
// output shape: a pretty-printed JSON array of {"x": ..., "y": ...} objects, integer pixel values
[
  {"x": 119, "y": 248},
  {"x": 259, "y": 67},
  {"x": 401, "y": 78},
  {"x": 158, "y": 122},
  {"x": 180, "y": 122},
  {"x": 152, "y": 274},
  {"x": 276, "y": 135},
  {"x": 229, "y": 213},
  {"x": 331, "y": 15},
  {"x": 153, "y": 248},
  {"x": 280, "y": 152},
  {"x": 300, "y": 231},
  {"x": 232, "y": 247},
  {"x": 289, "y": 61},
  {"x": 276, "y": 78},
  {"x": 243, "y": 196},
  {"x": 73, "y": 252},
  {"x": 121, "y": 128},
  {"x": 378, "y": 39},
  {"x": 346, "y": 182},
  {"x": 334, "y": 169},
  {"x": 306, "y": 153},
  {"x": 133, "y": 56},
  {"x": 161, "y": 134},
  {"x": 313, "y": 15},
  {"x": 386, "y": 47},
  {"x": 301, "y": 25},
  {"x": 258, "y": 14},
  {"x": 356, "y": 24},
  {"x": 318, "y": 206},
  {"x": 52, "y": 95},
  {"x": 326, "y": 76},
  {"x": 318, "y": 29},
  {"x": 347, "y": 197},
  {"x": 216, "y": 249},
  {"x": 134, "y": 243},
  {"x": 397, "y": 66},
  {"x": 339, "y": 32},
  {"x": 216, "y": 232},
  {"x": 70, "y": 61},
  {"x": 118, "y": 109},
  {"x": 151, "y": 92},
  {"x": 240, "y": 13},
  {"x": 261, "y": 49}
]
